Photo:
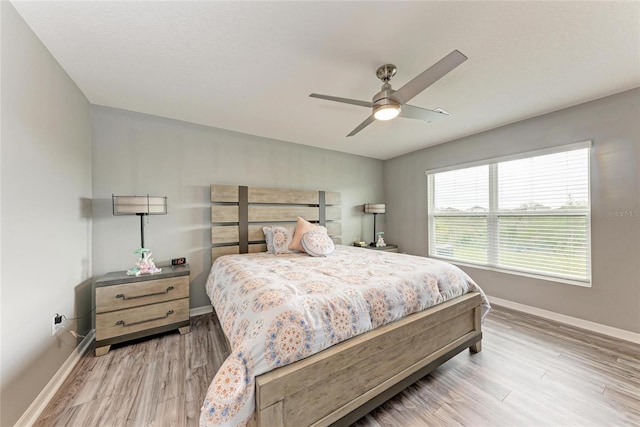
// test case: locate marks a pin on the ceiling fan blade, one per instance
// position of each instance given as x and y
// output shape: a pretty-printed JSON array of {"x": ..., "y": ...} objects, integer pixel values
[
  {"x": 428, "y": 77},
  {"x": 429, "y": 116},
  {"x": 363, "y": 125},
  {"x": 343, "y": 100}
]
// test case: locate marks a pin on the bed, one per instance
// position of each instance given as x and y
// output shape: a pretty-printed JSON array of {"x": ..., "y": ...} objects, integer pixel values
[{"x": 374, "y": 332}]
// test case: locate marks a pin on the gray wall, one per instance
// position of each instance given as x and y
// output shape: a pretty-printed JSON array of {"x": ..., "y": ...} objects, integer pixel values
[
  {"x": 46, "y": 218},
  {"x": 613, "y": 124},
  {"x": 134, "y": 153}
]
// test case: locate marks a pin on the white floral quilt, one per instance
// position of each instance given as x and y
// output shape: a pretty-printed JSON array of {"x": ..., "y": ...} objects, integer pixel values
[{"x": 277, "y": 309}]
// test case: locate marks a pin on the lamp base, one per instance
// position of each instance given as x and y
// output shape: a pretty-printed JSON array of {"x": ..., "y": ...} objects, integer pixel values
[{"x": 372, "y": 244}]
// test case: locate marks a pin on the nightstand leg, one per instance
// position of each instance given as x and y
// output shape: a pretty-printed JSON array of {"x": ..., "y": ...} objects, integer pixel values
[
  {"x": 184, "y": 330},
  {"x": 101, "y": 351}
]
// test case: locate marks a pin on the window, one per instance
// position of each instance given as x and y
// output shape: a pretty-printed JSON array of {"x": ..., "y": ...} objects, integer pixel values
[{"x": 526, "y": 214}]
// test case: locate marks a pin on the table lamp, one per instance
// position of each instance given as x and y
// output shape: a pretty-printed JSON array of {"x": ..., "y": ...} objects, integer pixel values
[{"x": 375, "y": 209}]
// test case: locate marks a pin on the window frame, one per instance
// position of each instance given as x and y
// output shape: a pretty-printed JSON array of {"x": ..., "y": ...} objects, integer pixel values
[{"x": 493, "y": 214}]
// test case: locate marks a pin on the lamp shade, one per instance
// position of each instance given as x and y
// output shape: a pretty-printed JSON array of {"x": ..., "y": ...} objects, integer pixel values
[
  {"x": 139, "y": 205},
  {"x": 375, "y": 208}
]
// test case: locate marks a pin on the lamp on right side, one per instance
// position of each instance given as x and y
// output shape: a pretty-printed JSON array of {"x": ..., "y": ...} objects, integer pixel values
[{"x": 375, "y": 209}]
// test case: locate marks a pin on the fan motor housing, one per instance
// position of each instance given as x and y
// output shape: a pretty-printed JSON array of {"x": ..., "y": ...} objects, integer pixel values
[
  {"x": 384, "y": 98},
  {"x": 383, "y": 94},
  {"x": 382, "y": 101}
]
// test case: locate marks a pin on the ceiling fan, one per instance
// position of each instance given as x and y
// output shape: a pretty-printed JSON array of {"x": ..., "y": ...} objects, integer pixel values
[{"x": 388, "y": 103}]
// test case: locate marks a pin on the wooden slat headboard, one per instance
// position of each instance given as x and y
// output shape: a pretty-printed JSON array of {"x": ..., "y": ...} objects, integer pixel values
[{"x": 238, "y": 214}]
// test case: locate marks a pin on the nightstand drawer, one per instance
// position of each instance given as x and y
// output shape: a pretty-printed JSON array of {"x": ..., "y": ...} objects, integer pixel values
[
  {"x": 118, "y": 297},
  {"x": 123, "y": 322}
]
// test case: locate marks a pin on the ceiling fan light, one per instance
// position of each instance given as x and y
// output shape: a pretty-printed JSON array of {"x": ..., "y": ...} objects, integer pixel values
[{"x": 386, "y": 112}]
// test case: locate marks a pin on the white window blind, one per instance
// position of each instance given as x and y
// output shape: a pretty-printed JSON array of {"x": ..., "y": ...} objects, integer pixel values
[{"x": 529, "y": 214}]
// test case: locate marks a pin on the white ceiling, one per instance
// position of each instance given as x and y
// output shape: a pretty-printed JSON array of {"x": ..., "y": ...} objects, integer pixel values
[{"x": 250, "y": 66}]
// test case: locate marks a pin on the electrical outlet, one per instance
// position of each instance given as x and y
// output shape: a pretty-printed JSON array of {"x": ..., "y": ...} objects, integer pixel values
[{"x": 55, "y": 321}]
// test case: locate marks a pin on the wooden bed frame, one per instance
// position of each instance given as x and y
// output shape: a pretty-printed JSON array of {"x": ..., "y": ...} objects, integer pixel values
[{"x": 339, "y": 385}]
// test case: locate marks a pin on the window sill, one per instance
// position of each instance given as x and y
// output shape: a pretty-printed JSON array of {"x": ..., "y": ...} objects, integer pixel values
[{"x": 516, "y": 273}]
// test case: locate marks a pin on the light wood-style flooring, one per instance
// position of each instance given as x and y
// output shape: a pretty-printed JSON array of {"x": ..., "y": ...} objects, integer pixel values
[{"x": 530, "y": 372}]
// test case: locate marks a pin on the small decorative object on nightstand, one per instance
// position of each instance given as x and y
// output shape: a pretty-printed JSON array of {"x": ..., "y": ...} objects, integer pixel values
[
  {"x": 130, "y": 307},
  {"x": 359, "y": 243},
  {"x": 145, "y": 264},
  {"x": 380, "y": 242}
]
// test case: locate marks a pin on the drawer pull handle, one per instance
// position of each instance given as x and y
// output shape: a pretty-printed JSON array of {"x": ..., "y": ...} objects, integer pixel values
[
  {"x": 123, "y": 324},
  {"x": 124, "y": 297}
]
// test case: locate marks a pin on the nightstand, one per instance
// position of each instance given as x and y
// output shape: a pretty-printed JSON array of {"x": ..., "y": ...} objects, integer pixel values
[
  {"x": 388, "y": 248},
  {"x": 130, "y": 307}
]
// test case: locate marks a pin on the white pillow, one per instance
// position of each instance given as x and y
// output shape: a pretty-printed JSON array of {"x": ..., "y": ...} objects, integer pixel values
[
  {"x": 282, "y": 237},
  {"x": 268, "y": 238},
  {"x": 317, "y": 243}
]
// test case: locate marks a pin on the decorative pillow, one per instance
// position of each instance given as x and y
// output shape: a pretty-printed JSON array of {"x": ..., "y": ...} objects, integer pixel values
[
  {"x": 317, "y": 243},
  {"x": 268, "y": 238},
  {"x": 282, "y": 237},
  {"x": 302, "y": 227}
]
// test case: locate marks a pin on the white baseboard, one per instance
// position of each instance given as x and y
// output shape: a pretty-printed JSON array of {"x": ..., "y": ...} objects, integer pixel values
[
  {"x": 569, "y": 320},
  {"x": 198, "y": 311},
  {"x": 37, "y": 406}
]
